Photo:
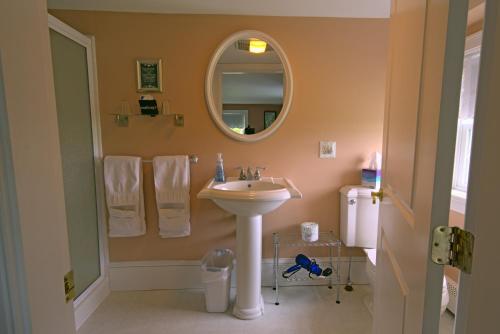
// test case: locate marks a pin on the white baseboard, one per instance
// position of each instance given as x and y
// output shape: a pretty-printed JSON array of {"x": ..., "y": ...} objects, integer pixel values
[
  {"x": 88, "y": 301},
  {"x": 164, "y": 275},
  {"x": 154, "y": 275}
]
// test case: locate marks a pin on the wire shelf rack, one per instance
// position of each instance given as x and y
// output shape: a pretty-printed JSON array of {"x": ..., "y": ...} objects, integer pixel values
[{"x": 326, "y": 239}]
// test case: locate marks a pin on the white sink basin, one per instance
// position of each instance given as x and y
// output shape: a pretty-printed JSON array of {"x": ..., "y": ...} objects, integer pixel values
[{"x": 250, "y": 198}]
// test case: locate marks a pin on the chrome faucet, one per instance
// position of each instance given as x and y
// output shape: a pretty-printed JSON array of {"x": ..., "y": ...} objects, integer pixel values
[
  {"x": 249, "y": 175},
  {"x": 257, "y": 176},
  {"x": 242, "y": 176}
]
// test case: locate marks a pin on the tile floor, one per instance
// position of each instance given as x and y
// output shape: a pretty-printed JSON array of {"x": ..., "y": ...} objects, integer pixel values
[{"x": 302, "y": 310}]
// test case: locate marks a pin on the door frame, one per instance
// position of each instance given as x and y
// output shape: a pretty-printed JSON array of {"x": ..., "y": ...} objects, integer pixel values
[
  {"x": 14, "y": 305},
  {"x": 480, "y": 207},
  {"x": 88, "y": 301}
]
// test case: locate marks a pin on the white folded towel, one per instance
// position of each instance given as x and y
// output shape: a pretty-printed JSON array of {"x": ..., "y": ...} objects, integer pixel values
[
  {"x": 172, "y": 195},
  {"x": 124, "y": 196}
]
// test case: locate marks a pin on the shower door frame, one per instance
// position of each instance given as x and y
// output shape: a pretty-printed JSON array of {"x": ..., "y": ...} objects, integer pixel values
[{"x": 99, "y": 289}]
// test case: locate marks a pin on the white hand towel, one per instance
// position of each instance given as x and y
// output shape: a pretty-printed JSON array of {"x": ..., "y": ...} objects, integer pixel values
[
  {"x": 124, "y": 196},
  {"x": 172, "y": 195}
]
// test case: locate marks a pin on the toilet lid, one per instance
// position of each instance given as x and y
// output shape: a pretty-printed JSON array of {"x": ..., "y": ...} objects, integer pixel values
[{"x": 372, "y": 255}]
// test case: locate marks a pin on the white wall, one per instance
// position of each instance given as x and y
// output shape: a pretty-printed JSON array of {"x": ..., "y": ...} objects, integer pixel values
[{"x": 29, "y": 94}]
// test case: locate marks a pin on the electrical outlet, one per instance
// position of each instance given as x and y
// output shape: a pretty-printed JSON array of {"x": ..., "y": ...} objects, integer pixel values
[
  {"x": 179, "y": 120},
  {"x": 327, "y": 149}
]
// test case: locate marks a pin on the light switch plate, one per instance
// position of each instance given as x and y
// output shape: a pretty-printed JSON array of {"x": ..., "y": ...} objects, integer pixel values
[
  {"x": 327, "y": 149},
  {"x": 121, "y": 120},
  {"x": 179, "y": 120}
]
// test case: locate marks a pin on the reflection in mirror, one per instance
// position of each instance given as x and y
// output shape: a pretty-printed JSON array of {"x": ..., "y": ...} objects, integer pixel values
[{"x": 248, "y": 85}]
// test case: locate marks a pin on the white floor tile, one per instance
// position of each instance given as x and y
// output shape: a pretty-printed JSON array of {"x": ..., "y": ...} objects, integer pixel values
[{"x": 302, "y": 310}]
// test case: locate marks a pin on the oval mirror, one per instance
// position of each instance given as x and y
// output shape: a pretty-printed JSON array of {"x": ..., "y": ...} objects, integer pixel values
[{"x": 249, "y": 86}]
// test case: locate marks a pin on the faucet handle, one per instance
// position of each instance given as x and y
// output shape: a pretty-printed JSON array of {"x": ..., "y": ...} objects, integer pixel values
[
  {"x": 249, "y": 173},
  {"x": 242, "y": 176},
  {"x": 257, "y": 174}
]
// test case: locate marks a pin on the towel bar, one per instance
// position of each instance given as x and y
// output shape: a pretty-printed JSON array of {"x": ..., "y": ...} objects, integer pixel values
[{"x": 193, "y": 159}]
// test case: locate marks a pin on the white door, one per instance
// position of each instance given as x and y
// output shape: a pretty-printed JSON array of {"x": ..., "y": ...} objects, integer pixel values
[
  {"x": 32, "y": 217},
  {"x": 426, "y": 54},
  {"x": 479, "y": 293},
  {"x": 13, "y": 301}
]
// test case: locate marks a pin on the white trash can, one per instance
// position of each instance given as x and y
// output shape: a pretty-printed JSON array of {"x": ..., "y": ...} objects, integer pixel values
[{"x": 216, "y": 267}]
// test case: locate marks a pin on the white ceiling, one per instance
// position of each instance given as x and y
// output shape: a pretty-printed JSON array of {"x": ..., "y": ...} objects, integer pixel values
[{"x": 317, "y": 8}]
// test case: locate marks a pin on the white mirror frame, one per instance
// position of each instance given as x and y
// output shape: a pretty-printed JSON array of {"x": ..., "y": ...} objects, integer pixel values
[{"x": 287, "y": 94}]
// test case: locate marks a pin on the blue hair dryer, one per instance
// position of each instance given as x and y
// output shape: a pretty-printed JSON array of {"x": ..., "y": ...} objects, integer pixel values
[{"x": 311, "y": 266}]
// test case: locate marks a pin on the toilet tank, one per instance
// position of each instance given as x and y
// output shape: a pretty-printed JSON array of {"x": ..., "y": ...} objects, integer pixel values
[{"x": 358, "y": 217}]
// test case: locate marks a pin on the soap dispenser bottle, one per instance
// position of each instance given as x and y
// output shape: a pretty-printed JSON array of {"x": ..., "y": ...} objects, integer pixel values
[{"x": 219, "y": 169}]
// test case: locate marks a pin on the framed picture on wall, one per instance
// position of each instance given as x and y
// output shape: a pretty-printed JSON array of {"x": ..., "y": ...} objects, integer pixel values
[
  {"x": 149, "y": 78},
  {"x": 269, "y": 118}
]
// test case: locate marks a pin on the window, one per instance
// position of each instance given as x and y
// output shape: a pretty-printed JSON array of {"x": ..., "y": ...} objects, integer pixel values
[
  {"x": 237, "y": 120},
  {"x": 465, "y": 122}
]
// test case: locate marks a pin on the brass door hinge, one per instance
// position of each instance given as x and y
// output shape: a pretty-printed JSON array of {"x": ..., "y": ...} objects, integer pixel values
[
  {"x": 377, "y": 194},
  {"x": 453, "y": 246},
  {"x": 69, "y": 286}
]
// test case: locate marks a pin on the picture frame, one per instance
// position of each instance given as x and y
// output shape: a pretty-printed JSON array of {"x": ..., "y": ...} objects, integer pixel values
[
  {"x": 149, "y": 75},
  {"x": 269, "y": 118}
]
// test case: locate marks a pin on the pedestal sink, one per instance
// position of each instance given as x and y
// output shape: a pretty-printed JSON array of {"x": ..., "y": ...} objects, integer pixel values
[{"x": 249, "y": 200}]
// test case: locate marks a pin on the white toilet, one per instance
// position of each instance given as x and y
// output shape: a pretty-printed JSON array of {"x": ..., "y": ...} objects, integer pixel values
[{"x": 359, "y": 228}]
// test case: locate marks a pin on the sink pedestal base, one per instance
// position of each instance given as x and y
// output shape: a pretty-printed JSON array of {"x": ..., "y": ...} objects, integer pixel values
[{"x": 249, "y": 303}]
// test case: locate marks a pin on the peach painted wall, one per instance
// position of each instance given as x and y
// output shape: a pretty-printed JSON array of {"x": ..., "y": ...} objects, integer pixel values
[
  {"x": 475, "y": 18},
  {"x": 475, "y": 27},
  {"x": 339, "y": 69},
  {"x": 456, "y": 219}
]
